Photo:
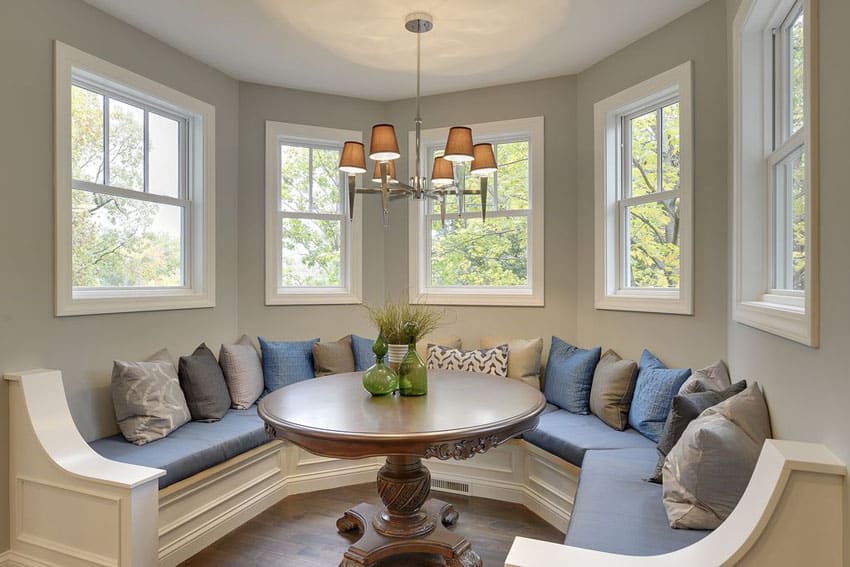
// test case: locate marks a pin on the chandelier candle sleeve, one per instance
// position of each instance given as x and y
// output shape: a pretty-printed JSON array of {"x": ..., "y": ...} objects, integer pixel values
[{"x": 384, "y": 146}]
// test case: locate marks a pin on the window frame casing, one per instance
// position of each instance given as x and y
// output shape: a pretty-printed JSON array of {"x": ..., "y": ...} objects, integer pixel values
[
  {"x": 531, "y": 129},
  {"x": 75, "y": 67},
  {"x": 756, "y": 303},
  {"x": 611, "y": 293},
  {"x": 351, "y": 231}
]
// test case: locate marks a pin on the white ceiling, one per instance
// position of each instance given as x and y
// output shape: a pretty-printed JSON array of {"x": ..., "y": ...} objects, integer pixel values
[{"x": 360, "y": 47}]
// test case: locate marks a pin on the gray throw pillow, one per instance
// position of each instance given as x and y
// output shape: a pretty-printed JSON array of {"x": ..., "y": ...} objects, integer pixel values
[
  {"x": 147, "y": 398},
  {"x": 243, "y": 372},
  {"x": 204, "y": 385},
  {"x": 708, "y": 470},
  {"x": 333, "y": 358},
  {"x": 715, "y": 377},
  {"x": 612, "y": 389},
  {"x": 686, "y": 408}
]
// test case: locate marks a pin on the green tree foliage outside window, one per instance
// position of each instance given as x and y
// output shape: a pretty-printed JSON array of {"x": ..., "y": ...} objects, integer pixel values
[
  {"x": 116, "y": 241},
  {"x": 311, "y": 227},
  {"x": 469, "y": 252},
  {"x": 652, "y": 227}
]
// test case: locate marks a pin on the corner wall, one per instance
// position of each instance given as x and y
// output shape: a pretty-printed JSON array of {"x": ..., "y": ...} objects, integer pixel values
[
  {"x": 555, "y": 100},
  {"x": 83, "y": 347},
  {"x": 258, "y": 103},
  {"x": 679, "y": 340},
  {"x": 808, "y": 389}
]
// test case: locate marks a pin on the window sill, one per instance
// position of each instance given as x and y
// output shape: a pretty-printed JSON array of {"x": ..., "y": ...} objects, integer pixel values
[
  {"x": 656, "y": 301},
  {"x": 497, "y": 297},
  {"x": 313, "y": 297},
  {"x": 790, "y": 322},
  {"x": 98, "y": 304}
]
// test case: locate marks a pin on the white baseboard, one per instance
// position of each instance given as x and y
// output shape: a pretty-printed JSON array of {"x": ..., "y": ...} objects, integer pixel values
[{"x": 13, "y": 559}]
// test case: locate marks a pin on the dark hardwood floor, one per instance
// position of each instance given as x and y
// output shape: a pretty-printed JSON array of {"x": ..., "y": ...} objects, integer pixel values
[{"x": 300, "y": 531}]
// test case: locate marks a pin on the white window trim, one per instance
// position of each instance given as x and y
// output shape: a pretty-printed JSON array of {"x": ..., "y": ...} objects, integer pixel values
[
  {"x": 792, "y": 315},
  {"x": 200, "y": 237},
  {"x": 533, "y": 294},
  {"x": 352, "y": 231},
  {"x": 609, "y": 293}
]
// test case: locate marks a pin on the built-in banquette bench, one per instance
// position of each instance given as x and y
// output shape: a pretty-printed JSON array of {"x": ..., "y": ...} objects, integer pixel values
[{"x": 71, "y": 505}]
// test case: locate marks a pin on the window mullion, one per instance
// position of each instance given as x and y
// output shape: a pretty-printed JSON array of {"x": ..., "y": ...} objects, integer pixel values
[
  {"x": 106, "y": 140},
  {"x": 659, "y": 129},
  {"x": 310, "y": 179},
  {"x": 145, "y": 154}
]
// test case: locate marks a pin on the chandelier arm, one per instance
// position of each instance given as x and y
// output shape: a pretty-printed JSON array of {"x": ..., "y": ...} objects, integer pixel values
[
  {"x": 385, "y": 193},
  {"x": 483, "y": 181}
]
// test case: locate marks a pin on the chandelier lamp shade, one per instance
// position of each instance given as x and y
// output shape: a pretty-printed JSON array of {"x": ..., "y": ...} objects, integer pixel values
[{"x": 448, "y": 170}]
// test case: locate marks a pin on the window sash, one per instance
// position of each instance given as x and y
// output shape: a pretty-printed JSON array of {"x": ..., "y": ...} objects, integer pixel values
[
  {"x": 625, "y": 200},
  {"x": 339, "y": 216},
  {"x": 431, "y": 217},
  {"x": 341, "y": 200},
  {"x": 781, "y": 76},
  {"x": 183, "y": 200},
  {"x": 183, "y": 123}
]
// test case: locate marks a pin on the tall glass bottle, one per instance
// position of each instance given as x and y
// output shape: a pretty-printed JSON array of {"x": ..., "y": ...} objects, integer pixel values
[
  {"x": 412, "y": 373},
  {"x": 380, "y": 379}
]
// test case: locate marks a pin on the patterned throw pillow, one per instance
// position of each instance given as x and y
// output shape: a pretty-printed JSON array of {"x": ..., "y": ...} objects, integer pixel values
[
  {"x": 148, "y": 401},
  {"x": 485, "y": 360}
]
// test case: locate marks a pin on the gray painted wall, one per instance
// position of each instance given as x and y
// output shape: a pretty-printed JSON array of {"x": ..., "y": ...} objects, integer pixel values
[
  {"x": 83, "y": 347},
  {"x": 258, "y": 103},
  {"x": 808, "y": 389},
  {"x": 687, "y": 341},
  {"x": 555, "y": 100}
]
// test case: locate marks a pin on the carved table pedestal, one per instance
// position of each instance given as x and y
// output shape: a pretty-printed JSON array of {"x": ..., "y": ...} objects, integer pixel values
[{"x": 463, "y": 414}]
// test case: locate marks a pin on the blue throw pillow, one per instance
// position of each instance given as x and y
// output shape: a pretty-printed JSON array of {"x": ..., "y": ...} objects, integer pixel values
[
  {"x": 654, "y": 391},
  {"x": 364, "y": 358},
  {"x": 569, "y": 375},
  {"x": 286, "y": 363}
]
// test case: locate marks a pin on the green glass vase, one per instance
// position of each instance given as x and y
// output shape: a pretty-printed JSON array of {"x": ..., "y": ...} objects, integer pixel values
[
  {"x": 412, "y": 373},
  {"x": 380, "y": 379}
]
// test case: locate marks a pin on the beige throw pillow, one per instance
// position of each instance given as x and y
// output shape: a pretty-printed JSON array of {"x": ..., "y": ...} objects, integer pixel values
[
  {"x": 612, "y": 389},
  {"x": 708, "y": 470},
  {"x": 714, "y": 377},
  {"x": 523, "y": 357},
  {"x": 243, "y": 372},
  {"x": 333, "y": 358},
  {"x": 450, "y": 341}
]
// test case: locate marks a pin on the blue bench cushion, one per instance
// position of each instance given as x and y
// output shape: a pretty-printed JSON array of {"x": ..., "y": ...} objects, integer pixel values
[
  {"x": 192, "y": 448},
  {"x": 617, "y": 511},
  {"x": 569, "y": 435}
]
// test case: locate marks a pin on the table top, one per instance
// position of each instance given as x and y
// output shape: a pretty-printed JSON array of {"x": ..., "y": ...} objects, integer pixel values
[{"x": 463, "y": 413}]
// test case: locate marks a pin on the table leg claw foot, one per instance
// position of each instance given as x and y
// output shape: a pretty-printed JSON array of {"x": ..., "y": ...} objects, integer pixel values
[
  {"x": 448, "y": 515},
  {"x": 348, "y": 523},
  {"x": 466, "y": 559}
]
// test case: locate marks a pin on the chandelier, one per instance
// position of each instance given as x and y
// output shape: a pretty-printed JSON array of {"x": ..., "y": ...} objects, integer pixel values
[{"x": 444, "y": 181}]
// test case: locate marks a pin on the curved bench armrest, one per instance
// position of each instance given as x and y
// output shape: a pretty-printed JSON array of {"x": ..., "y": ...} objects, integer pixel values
[
  {"x": 806, "y": 477},
  {"x": 42, "y": 399}
]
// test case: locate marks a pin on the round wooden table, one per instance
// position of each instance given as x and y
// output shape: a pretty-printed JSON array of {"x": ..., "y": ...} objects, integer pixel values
[{"x": 463, "y": 414}]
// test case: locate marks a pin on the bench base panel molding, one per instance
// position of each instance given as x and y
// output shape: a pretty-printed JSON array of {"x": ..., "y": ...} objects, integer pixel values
[{"x": 791, "y": 513}]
